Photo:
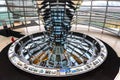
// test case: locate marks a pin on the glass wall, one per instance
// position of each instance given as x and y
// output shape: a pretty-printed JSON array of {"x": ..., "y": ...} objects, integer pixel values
[
  {"x": 103, "y": 14},
  {"x": 5, "y": 15},
  {"x": 17, "y": 11}
]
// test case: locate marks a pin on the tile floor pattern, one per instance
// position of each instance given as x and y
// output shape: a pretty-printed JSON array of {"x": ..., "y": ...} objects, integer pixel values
[{"x": 112, "y": 40}]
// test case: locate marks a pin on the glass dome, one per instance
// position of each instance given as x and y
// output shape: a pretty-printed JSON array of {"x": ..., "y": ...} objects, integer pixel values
[{"x": 57, "y": 51}]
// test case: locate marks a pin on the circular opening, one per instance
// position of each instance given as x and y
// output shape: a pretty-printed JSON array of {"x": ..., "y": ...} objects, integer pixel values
[{"x": 79, "y": 54}]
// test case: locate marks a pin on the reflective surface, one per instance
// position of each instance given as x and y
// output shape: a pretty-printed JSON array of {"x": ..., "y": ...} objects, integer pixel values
[{"x": 81, "y": 54}]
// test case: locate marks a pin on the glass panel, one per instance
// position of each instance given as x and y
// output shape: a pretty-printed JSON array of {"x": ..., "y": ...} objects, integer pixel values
[
  {"x": 114, "y": 3},
  {"x": 99, "y": 3},
  {"x": 86, "y": 3},
  {"x": 99, "y": 9},
  {"x": 114, "y": 9},
  {"x": 83, "y": 15},
  {"x": 113, "y": 24},
  {"x": 97, "y": 24}
]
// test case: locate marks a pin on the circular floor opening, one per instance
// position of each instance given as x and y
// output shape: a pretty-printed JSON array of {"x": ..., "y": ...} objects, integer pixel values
[{"x": 79, "y": 54}]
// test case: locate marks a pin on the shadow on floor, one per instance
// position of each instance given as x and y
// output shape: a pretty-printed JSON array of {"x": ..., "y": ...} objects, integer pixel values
[{"x": 9, "y": 32}]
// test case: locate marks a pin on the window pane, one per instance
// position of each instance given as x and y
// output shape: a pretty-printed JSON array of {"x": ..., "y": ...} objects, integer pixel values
[
  {"x": 99, "y": 3},
  {"x": 114, "y": 3}
]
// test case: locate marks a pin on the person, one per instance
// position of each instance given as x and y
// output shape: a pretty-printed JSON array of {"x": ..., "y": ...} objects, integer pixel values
[
  {"x": 12, "y": 39},
  {"x": 4, "y": 25},
  {"x": 5, "y": 28}
]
